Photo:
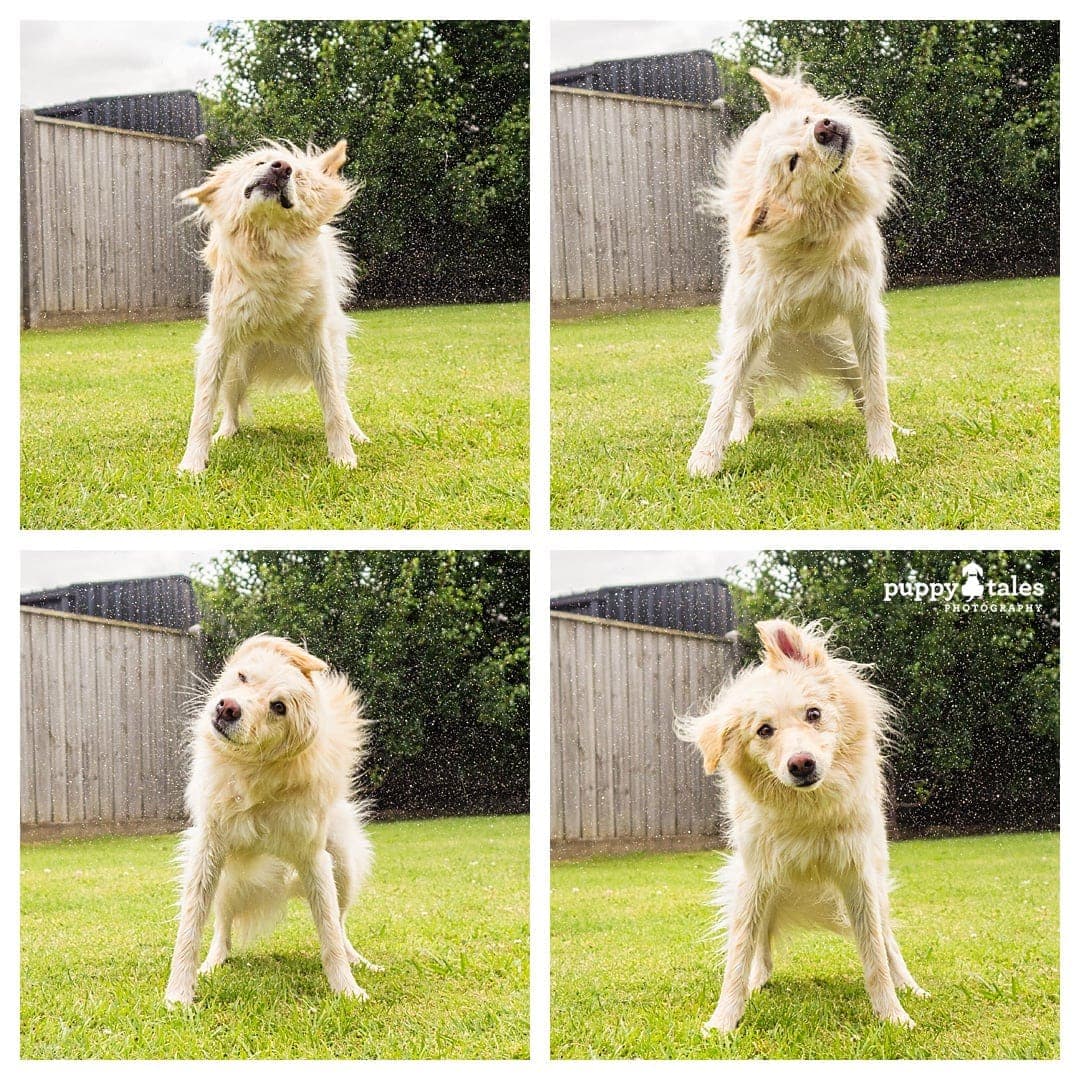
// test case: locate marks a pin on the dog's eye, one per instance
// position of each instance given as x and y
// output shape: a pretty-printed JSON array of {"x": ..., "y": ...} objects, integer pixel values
[
  {"x": 241, "y": 676},
  {"x": 793, "y": 162},
  {"x": 278, "y": 707},
  {"x": 765, "y": 731},
  {"x": 813, "y": 715}
]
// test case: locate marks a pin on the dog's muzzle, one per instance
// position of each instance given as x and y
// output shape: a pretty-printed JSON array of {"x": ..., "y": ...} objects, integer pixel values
[
  {"x": 226, "y": 716},
  {"x": 274, "y": 183},
  {"x": 833, "y": 136}
]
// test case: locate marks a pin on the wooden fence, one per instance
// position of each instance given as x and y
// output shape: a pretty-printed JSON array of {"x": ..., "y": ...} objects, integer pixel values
[
  {"x": 102, "y": 238},
  {"x": 620, "y": 779},
  {"x": 103, "y": 719},
  {"x": 626, "y": 173}
]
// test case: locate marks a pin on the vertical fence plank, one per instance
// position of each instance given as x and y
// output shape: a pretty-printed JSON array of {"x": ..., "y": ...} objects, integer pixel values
[
  {"x": 616, "y": 690},
  {"x": 98, "y": 718},
  {"x": 101, "y": 236},
  {"x": 626, "y": 177}
]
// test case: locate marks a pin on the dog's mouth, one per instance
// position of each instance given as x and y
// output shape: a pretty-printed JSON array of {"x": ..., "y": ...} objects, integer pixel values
[
  {"x": 272, "y": 185},
  {"x": 223, "y": 727},
  {"x": 808, "y": 782}
]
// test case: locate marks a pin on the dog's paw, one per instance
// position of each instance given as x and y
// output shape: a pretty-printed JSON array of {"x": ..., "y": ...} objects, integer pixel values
[
  {"x": 917, "y": 991},
  {"x": 192, "y": 465},
  {"x": 723, "y": 1021},
  {"x": 176, "y": 995},
  {"x": 358, "y": 436},
  {"x": 345, "y": 458},
  {"x": 211, "y": 963},
  {"x": 705, "y": 462},
  {"x": 902, "y": 430},
  {"x": 897, "y": 1016},
  {"x": 884, "y": 451},
  {"x": 351, "y": 989},
  {"x": 224, "y": 433}
]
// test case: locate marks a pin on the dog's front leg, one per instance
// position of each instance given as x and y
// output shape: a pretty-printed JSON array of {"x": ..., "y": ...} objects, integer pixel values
[
  {"x": 329, "y": 386},
  {"x": 743, "y": 931},
  {"x": 209, "y": 371},
  {"x": 868, "y": 925},
  {"x": 317, "y": 877},
  {"x": 730, "y": 381},
  {"x": 868, "y": 334},
  {"x": 202, "y": 868}
]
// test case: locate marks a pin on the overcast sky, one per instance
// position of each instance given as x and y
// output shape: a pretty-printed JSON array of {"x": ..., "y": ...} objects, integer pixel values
[
  {"x": 574, "y": 44},
  {"x": 51, "y": 569},
  {"x": 582, "y": 571},
  {"x": 65, "y": 61}
]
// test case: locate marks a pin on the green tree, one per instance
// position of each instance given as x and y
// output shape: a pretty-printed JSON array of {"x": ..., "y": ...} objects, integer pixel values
[
  {"x": 436, "y": 116},
  {"x": 437, "y": 642},
  {"x": 973, "y": 107},
  {"x": 977, "y": 691}
]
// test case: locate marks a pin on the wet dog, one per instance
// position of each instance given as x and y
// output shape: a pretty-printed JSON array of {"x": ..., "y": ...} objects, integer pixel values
[
  {"x": 801, "y": 195},
  {"x": 280, "y": 281},
  {"x": 798, "y": 741},
  {"x": 274, "y": 751}
]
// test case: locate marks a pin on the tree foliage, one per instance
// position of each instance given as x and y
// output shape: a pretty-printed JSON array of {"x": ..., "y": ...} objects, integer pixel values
[
  {"x": 436, "y": 114},
  {"x": 974, "y": 108},
  {"x": 977, "y": 691},
  {"x": 437, "y": 643}
]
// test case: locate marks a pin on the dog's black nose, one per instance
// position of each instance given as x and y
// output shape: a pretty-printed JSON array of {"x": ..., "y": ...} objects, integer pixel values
[
  {"x": 801, "y": 766},
  {"x": 829, "y": 131},
  {"x": 281, "y": 169},
  {"x": 228, "y": 711}
]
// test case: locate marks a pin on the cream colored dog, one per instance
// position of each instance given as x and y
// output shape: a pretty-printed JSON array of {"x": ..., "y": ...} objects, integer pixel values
[
  {"x": 802, "y": 192},
  {"x": 272, "y": 813},
  {"x": 797, "y": 739},
  {"x": 280, "y": 280}
]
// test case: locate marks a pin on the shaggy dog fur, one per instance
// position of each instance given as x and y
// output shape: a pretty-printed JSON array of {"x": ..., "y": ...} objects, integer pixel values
[
  {"x": 798, "y": 739},
  {"x": 280, "y": 280},
  {"x": 801, "y": 194},
  {"x": 274, "y": 749}
]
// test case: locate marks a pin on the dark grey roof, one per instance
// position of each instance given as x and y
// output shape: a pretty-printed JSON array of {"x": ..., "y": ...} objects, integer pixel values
[
  {"x": 175, "y": 113},
  {"x": 703, "y": 606},
  {"x": 689, "y": 76},
  {"x": 157, "y": 601}
]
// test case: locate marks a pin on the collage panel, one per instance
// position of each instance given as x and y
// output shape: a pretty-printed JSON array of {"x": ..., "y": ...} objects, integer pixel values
[
  {"x": 292, "y": 294},
  {"x": 875, "y": 207},
  {"x": 345, "y": 735},
  {"x": 805, "y": 804}
]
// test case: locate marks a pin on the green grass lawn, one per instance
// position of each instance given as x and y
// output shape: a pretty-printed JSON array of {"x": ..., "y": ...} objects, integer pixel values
[
  {"x": 633, "y": 975},
  {"x": 446, "y": 915},
  {"x": 442, "y": 392},
  {"x": 974, "y": 371}
]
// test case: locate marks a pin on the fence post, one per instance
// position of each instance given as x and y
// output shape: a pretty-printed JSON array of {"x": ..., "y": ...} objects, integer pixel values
[{"x": 30, "y": 219}]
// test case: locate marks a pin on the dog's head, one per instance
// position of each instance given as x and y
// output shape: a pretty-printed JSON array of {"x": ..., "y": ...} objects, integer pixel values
[
  {"x": 792, "y": 720},
  {"x": 275, "y": 186},
  {"x": 263, "y": 705},
  {"x": 807, "y": 167}
]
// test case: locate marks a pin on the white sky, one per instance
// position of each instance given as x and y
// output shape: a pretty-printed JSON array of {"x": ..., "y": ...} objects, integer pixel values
[
  {"x": 51, "y": 569},
  {"x": 574, "y": 44},
  {"x": 582, "y": 571},
  {"x": 65, "y": 61}
]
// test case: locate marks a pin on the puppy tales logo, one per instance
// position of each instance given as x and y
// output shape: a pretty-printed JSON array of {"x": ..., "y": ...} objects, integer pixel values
[{"x": 971, "y": 591}]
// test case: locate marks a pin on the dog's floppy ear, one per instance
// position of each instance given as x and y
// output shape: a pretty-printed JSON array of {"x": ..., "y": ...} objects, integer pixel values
[
  {"x": 772, "y": 88},
  {"x": 203, "y": 194},
  {"x": 297, "y": 655},
  {"x": 710, "y": 733},
  {"x": 334, "y": 158},
  {"x": 757, "y": 220},
  {"x": 786, "y": 644},
  {"x": 301, "y": 658}
]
